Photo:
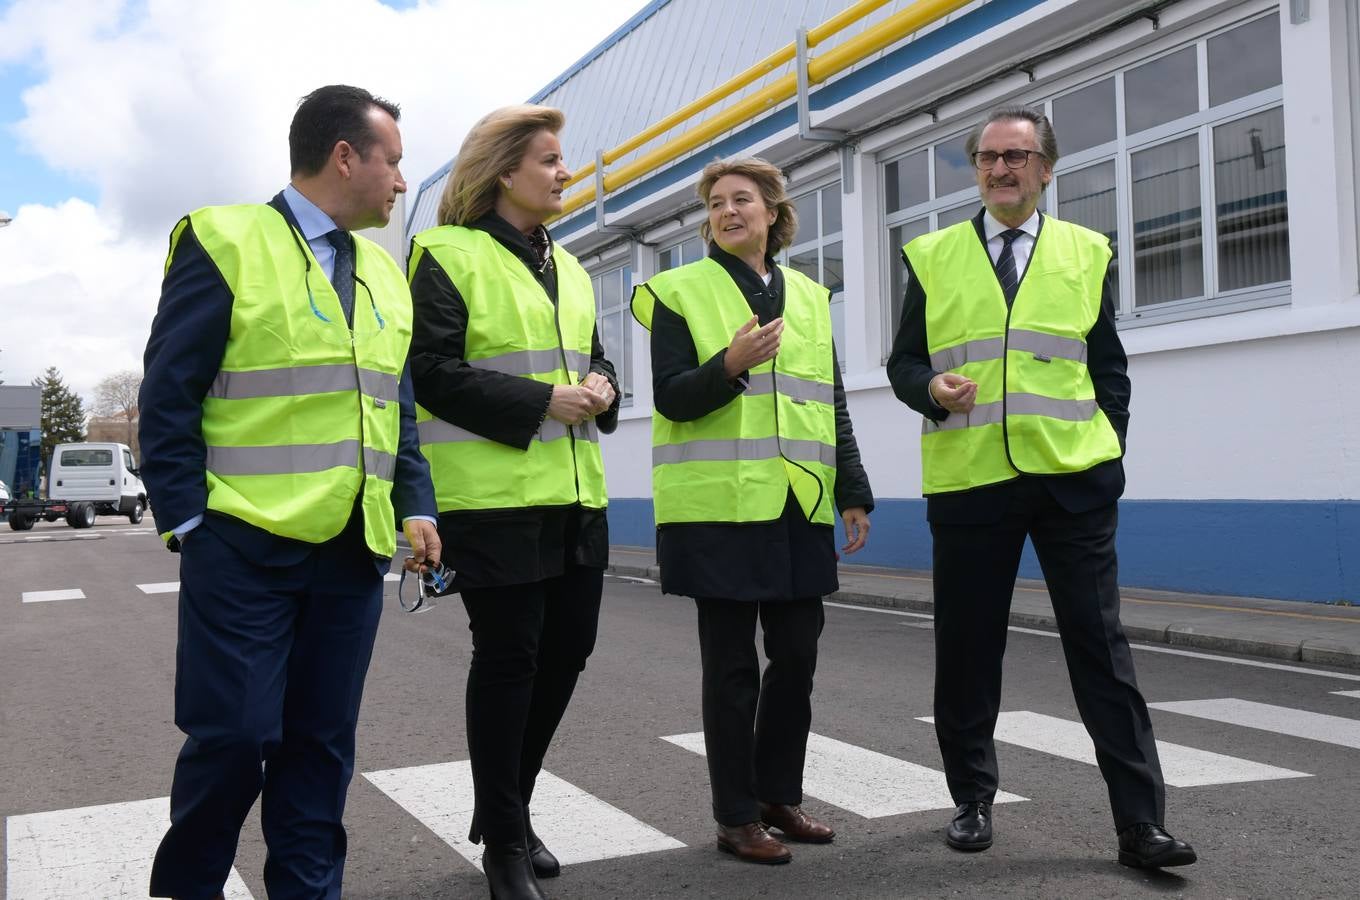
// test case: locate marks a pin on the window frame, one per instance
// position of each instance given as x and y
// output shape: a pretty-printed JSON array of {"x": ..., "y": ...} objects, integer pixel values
[
  {"x": 1120, "y": 150},
  {"x": 621, "y": 357},
  {"x": 816, "y": 187}
]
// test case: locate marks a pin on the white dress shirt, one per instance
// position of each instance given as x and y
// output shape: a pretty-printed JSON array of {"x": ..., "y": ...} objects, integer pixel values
[{"x": 1021, "y": 247}]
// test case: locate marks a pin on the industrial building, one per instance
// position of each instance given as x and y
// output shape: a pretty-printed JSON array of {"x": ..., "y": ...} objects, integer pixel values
[{"x": 1214, "y": 142}]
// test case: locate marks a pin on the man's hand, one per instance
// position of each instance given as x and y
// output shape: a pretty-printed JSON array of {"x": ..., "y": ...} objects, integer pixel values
[
  {"x": 425, "y": 546},
  {"x": 954, "y": 392},
  {"x": 856, "y": 528}
]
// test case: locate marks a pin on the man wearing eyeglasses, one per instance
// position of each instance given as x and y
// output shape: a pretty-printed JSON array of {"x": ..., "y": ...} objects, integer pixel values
[
  {"x": 1008, "y": 349},
  {"x": 279, "y": 441}
]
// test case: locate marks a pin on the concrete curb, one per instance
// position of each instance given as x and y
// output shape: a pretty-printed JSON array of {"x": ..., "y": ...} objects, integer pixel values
[{"x": 1316, "y": 650}]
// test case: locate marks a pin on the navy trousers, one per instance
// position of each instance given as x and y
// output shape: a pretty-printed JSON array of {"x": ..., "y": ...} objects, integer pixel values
[{"x": 269, "y": 674}]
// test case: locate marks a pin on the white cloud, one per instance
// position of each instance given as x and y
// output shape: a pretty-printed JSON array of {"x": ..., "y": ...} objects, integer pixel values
[{"x": 169, "y": 105}]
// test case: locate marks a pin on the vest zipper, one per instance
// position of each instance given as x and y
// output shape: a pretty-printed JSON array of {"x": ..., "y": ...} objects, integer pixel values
[{"x": 562, "y": 354}]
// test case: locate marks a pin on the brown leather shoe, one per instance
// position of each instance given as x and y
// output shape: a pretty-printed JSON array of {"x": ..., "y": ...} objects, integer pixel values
[
  {"x": 796, "y": 824},
  {"x": 752, "y": 843}
]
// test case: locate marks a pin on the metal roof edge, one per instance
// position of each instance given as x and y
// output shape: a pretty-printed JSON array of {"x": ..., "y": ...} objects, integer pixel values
[{"x": 619, "y": 34}]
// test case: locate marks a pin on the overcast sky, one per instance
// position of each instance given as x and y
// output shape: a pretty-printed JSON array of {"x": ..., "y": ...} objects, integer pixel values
[{"x": 119, "y": 116}]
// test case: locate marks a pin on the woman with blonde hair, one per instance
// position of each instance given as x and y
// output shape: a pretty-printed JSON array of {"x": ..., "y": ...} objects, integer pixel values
[
  {"x": 513, "y": 390},
  {"x": 752, "y": 448}
]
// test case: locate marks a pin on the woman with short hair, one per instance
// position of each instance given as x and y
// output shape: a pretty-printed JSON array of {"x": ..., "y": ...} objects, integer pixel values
[
  {"x": 752, "y": 453},
  {"x": 513, "y": 390}
]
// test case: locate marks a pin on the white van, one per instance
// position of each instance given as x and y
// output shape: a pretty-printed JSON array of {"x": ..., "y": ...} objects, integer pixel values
[{"x": 102, "y": 475}]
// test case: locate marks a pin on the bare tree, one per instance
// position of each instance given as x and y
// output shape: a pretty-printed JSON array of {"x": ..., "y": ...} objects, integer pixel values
[{"x": 116, "y": 395}]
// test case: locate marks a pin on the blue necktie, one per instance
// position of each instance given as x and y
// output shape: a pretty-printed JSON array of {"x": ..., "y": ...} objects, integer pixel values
[
  {"x": 1005, "y": 265},
  {"x": 342, "y": 275}
]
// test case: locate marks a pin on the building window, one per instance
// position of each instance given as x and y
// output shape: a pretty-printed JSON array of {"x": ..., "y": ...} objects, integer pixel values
[
  {"x": 1178, "y": 159},
  {"x": 819, "y": 253},
  {"x": 681, "y": 254},
  {"x": 925, "y": 190},
  {"x": 614, "y": 321}
]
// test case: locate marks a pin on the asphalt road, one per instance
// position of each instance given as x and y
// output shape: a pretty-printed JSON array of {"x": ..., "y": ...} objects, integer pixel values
[{"x": 85, "y": 722}]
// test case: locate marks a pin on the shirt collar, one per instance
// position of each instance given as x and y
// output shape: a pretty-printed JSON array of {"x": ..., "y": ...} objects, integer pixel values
[
  {"x": 311, "y": 220},
  {"x": 991, "y": 227}
]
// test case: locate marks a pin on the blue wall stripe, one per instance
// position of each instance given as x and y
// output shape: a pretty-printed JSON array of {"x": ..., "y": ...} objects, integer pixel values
[{"x": 1283, "y": 549}]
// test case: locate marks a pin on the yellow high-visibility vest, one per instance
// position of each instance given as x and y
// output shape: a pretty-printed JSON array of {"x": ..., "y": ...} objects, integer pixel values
[
  {"x": 303, "y": 416},
  {"x": 513, "y": 327},
  {"x": 1036, "y": 411},
  {"x": 737, "y": 464}
]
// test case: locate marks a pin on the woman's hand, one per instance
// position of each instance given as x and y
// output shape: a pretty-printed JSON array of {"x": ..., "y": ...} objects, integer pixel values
[
  {"x": 856, "y": 528},
  {"x": 603, "y": 390},
  {"x": 752, "y": 346},
  {"x": 572, "y": 404}
]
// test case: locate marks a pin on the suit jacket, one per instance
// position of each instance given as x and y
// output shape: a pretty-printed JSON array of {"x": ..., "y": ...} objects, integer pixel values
[
  {"x": 910, "y": 372},
  {"x": 183, "y": 355}
]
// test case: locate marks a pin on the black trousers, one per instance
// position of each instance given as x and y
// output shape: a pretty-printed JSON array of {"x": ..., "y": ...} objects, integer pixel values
[
  {"x": 268, "y": 678},
  {"x": 756, "y": 729},
  {"x": 975, "y": 570},
  {"x": 530, "y": 643}
]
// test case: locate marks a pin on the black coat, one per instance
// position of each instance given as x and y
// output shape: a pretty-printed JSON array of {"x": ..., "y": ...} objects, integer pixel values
[
  {"x": 910, "y": 372},
  {"x": 785, "y": 559},
  {"x": 488, "y": 548}
]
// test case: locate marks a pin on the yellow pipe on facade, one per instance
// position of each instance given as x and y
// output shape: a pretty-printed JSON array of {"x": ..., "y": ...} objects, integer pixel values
[
  {"x": 873, "y": 39},
  {"x": 889, "y": 31}
]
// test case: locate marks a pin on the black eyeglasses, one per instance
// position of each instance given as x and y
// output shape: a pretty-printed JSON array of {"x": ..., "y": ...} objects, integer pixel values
[
  {"x": 434, "y": 581},
  {"x": 1014, "y": 158}
]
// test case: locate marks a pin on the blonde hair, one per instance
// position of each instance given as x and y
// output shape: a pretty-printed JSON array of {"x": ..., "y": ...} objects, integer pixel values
[
  {"x": 495, "y": 145},
  {"x": 769, "y": 180}
]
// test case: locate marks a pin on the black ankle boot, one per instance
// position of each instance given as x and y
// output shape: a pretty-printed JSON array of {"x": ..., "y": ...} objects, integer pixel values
[
  {"x": 540, "y": 857},
  {"x": 509, "y": 873}
]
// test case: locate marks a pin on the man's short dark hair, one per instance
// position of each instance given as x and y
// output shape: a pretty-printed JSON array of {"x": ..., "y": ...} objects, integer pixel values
[
  {"x": 328, "y": 115},
  {"x": 1043, "y": 130}
]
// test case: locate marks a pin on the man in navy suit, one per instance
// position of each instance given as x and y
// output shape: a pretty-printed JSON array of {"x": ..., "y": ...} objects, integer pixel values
[
  {"x": 1009, "y": 350},
  {"x": 279, "y": 442}
]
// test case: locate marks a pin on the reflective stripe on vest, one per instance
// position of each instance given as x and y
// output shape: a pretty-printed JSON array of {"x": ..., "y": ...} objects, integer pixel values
[
  {"x": 303, "y": 417},
  {"x": 514, "y": 328},
  {"x": 738, "y": 463},
  {"x": 1035, "y": 411}
]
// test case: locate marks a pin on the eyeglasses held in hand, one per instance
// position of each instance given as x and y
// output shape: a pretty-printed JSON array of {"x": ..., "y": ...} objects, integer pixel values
[{"x": 434, "y": 581}]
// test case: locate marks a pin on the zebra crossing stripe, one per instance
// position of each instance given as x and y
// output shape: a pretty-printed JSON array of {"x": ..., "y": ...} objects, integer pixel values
[
  {"x": 1265, "y": 717},
  {"x": 94, "y": 851},
  {"x": 1347, "y": 693},
  {"x": 862, "y": 781},
  {"x": 1181, "y": 766},
  {"x": 49, "y": 596},
  {"x": 392, "y": 576},
  {"x": 161, "y": 587},
  {"x": 440, "y": 796}
]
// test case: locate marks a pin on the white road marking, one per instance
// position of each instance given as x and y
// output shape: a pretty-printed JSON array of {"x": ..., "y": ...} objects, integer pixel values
[
  {"x": 1266, "y": 717},
  {"x": 1181, "y": 766},
  {"x": 575, "y": 825},
  {"x": 95, "y": 851},
  {"x": 392, "y": 576},
  {"x": 48, "y": 596},
  {"x": 865, "y": 782},
  {"x": 632, "y": 579},
  {"x": 163, "y": 587},
  {"x": 1347, "y": 693},
  {"x": 878, "y": 609},
  {"x": 1150, "y": 648}
]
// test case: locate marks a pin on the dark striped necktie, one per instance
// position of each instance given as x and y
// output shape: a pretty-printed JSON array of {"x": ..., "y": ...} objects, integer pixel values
[
  {"x": 342, "y": 275},
  {"x": 1005, "y": 265}
]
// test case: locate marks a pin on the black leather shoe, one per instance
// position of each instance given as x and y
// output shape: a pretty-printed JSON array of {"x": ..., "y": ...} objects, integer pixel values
[
  {"x": 540, "y": 857},
  {"x": 1148, "y": 846},
  {"x": 509, "y": 873},
  {"x": 971, "y": 829}
]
